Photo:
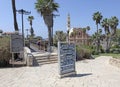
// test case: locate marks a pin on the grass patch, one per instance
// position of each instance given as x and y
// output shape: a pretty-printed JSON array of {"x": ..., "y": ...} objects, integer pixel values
[{"x": 108, "y": 54}]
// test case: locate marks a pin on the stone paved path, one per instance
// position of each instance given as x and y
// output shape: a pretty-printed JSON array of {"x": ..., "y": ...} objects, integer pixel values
[{"x": 90, "y": 73}]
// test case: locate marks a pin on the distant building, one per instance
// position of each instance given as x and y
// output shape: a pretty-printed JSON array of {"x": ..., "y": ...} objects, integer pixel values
[
  {"x": 9, "y": 33},
  {"x": 77, "y": 35}
]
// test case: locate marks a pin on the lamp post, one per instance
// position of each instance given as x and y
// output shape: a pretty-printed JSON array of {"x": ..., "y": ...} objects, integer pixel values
[
  {"x": 27, "y": 33},
  {"x": 21, "y": 11}
]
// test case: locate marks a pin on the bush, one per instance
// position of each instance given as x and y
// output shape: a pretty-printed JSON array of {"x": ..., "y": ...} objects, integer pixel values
[
  {"x": 87, "y": 53},
  {"x": 115, "y": 49},
  {"x": 95, "y": 52},
  {"x": 116, "y": 52},
  {"x": 83, "y": 52},
  {"x": 5, "y": 54}
]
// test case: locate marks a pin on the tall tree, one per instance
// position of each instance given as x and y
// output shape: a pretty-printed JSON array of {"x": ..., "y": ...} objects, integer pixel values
[
  {"x": 105, "y": 25},
  {"x": 46, "y": 9},
  {"x": 110, "y": 26},
  {"x": 14, "y": 15},
  {"x": 30, "y": 19},
  {"x": 59, "y": 36},
  {"x": 113, "y": 22},
  {"x": 97, "y": 17}
]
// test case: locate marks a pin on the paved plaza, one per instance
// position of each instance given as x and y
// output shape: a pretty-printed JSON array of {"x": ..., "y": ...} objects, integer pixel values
[{"x": 90, "y": 73}]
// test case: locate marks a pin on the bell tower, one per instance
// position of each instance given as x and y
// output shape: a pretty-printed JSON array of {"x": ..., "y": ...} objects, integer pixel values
[
  {"x": 68, "y": 27},
  {"x": 68, "y": 22}
]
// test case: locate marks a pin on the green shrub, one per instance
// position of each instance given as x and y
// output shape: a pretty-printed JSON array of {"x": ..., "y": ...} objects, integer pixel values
[
  {"x": 115, "y": 49},
  {"x": 87, "y": 53},
  {"x": 116, "y": 52},
  {"x": 83, "y": 52},
  {"x": 95, "y": 52},
  {"x": 5, "y": 54}
]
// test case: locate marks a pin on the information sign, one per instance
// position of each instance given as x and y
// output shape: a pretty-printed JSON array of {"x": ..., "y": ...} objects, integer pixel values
[
  {"x": 16, "y": 43},
  {"x": 66, "y": 58}
]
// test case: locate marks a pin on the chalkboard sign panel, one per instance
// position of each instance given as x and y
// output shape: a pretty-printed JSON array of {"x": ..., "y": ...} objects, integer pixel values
[
  {"x": 16, "y": 43},
  {"x": 66, "y": 58}
]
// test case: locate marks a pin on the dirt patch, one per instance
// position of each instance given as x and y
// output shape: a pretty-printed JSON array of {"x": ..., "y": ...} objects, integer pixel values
[{"x": 115, "y": 62}]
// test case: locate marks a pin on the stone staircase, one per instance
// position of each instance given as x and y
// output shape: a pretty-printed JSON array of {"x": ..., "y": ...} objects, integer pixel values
[{"x": 45, "y": 58}]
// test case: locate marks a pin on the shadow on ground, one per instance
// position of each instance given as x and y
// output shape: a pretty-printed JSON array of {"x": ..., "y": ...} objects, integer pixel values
[{"x": 79, "y": 75}]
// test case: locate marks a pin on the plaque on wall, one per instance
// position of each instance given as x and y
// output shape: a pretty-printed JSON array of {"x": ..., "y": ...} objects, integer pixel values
[
  {"x": 66, "y": 58},
  {"x": 16, "y": 43}
]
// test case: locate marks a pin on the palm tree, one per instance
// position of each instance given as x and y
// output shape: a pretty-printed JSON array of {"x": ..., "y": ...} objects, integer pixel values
[
  {"x": 59, "y": 36},
  {"x": 30, "y": 19},
  {"x": 14, "y": 15},
  {"x": 113, "y": 24},
  {"x": 97, "y": 17},
  {"x": 110, "y": 26},
  {"x": 46, "y": 9},
  {"x": 105, "y": 25},
  {"x": 100, "y": 31},
  {"x": 100, "y": 34},
  {"x": 88, "y": 28}
]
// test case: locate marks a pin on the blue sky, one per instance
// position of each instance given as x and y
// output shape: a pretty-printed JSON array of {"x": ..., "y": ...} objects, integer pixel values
[{"x": 81, "y": 12}]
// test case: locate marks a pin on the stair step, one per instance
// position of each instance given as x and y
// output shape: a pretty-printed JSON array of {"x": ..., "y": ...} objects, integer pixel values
[
  {"x": 46, "y": 59},
  {"x": 48, "y": 62},
  {"x": 39, "y": 61}
]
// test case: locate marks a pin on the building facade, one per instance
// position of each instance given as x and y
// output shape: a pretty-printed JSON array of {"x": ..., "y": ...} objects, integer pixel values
[{"x": 77, "y": 35}]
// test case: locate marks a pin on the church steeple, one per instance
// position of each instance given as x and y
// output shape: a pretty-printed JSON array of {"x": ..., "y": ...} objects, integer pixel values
[
  {"x": 68, "y": 27},
  {"x": 68, "y": 22}
]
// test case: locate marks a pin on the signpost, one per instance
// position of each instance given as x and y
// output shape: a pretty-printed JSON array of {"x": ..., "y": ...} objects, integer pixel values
[
  {"x": 16, "y": 45},
  {"x": 66, "y": 59}
]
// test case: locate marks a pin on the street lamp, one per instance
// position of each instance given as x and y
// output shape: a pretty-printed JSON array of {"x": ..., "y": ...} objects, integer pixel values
[
  {"x": 27, "y": 33},
  {"x": 21, "y": 11}
]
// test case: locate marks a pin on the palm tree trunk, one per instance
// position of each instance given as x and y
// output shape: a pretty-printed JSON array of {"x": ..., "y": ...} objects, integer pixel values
[
  {"x": 52, "y": 36},
  {"x": 48, "y": 19},
  {"x": 98, "y": 42},
  {"x": 52, "y": 29},
  {"x": 107, "y": 45},
  {"x": 49, "y": 39},
  {"x": 14, "y": 15},
  {"x": 31, "y": 31}
]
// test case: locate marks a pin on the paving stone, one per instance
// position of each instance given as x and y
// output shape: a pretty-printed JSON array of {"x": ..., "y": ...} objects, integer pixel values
[{"x": 90, "y": 73}]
